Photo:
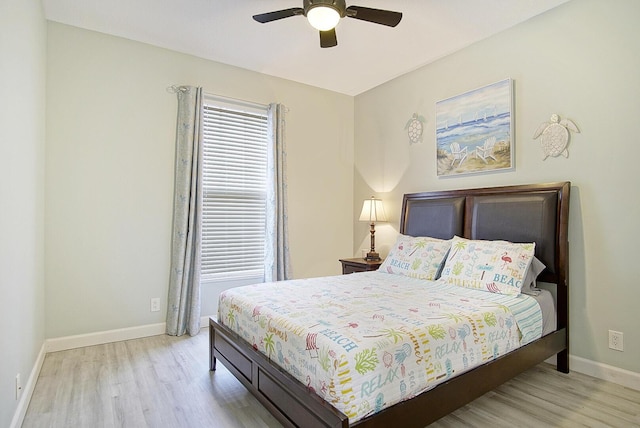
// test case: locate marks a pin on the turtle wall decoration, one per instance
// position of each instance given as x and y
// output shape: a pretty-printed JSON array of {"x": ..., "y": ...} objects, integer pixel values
[
  {"x": 415, "y": 128},
  {"x": 554, "y": 136}
]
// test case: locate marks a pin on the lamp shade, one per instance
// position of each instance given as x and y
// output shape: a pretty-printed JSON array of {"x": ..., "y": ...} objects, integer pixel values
[
  {"x": 372, "y": 211},
  {"x": 323, "y": 18}
]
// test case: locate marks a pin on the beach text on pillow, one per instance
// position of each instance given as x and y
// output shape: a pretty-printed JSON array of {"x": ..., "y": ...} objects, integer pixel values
[
  {"x": 416, "y": 257},
  {"x": 495, "y": 266}
]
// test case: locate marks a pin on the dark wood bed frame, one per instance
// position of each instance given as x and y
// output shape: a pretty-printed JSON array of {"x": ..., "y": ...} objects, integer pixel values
[{"x": 526, "y": 213}]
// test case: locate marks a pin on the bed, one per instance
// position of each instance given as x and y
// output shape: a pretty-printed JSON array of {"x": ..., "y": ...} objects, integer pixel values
[{"x": 525, "y": 213}]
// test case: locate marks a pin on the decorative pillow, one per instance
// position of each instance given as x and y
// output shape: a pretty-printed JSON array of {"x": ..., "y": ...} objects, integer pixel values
[
  {"x": 495, "y": 266},
  {"x": 417, "y": 257},
  {"x": 529, "y": 285}
]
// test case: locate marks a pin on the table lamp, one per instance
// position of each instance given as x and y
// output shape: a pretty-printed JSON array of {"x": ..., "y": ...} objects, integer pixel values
[{"x": 372, "y": 211}]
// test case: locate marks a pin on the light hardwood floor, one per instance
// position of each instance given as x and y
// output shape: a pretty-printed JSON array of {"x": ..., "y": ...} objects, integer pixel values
[{"x": 164, "y": 381}]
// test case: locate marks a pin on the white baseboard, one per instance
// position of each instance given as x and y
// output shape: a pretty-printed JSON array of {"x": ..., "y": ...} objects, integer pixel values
[
  {"x": 109, "y": 336},
  {"x": 27, "y": 391},
  {"x": 204, "y": 321},
  {"x": 602, "y": 371},
  {"x": 102, "y": 337}
]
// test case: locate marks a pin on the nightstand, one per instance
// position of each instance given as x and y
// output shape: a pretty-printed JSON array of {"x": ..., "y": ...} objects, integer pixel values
[{"x": 359, "y": 265}]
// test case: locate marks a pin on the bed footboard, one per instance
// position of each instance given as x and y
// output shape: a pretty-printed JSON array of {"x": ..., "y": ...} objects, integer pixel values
[{"x": 286, "y": 398}]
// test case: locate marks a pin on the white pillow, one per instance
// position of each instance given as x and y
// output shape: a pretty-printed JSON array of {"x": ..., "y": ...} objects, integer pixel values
[
  {"x": 417, "y": 257},
  {"x": 495, "y": 266}
]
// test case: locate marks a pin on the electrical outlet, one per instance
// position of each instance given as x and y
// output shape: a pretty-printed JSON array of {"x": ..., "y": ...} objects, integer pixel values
[
  {"x": 155, "y": 304},
  {"x": 18, "y": 386},
  {"x": 616, "y": 341}
]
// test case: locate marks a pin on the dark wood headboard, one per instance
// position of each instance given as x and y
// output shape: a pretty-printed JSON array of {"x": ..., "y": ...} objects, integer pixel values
[{"x": 526, "y": 213}]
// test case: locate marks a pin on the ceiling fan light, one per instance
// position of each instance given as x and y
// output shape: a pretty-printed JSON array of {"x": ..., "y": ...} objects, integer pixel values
[{"x": 323, "y": 18}]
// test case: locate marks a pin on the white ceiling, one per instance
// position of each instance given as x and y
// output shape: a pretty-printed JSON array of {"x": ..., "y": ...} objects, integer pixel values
[{"x": 367, "y": 54}]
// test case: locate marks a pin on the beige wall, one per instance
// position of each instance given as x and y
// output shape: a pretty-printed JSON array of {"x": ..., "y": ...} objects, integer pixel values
[
  {"x": 580, "y": 61},
  {"x": 109, "y": 174},
  {"x": 22, "y": 132}
]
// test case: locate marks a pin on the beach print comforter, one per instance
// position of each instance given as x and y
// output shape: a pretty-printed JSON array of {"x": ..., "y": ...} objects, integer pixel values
[{"x": 368, "y": 340}]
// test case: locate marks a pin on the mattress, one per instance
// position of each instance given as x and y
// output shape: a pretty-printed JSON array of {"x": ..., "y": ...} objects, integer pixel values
[
  {"x": 369, "y": 340},
  {"x": 548, "y": 307}
]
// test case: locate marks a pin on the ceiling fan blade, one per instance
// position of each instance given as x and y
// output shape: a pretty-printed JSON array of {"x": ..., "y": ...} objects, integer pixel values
[
  {"x": 328, "y": 38},
  {"x": 378, "y": 16},
  {"x": 278, "y": 14}
]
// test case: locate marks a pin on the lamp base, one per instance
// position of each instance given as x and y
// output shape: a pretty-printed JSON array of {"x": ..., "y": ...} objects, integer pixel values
[{"x": 372, "y": 256}]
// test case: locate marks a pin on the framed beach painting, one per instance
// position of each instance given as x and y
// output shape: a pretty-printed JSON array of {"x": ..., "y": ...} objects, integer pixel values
[{"x": 474, "y": 131}]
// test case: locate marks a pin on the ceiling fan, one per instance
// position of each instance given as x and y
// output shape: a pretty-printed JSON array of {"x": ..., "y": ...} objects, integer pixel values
[{"x": 324, "y": 15}]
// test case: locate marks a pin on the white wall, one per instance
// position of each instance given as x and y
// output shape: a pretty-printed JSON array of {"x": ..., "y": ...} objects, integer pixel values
[
  {"x": 580, "y": 61},
  {"x": 109, "y": 174},
  {"x": 22, "y": 130}
]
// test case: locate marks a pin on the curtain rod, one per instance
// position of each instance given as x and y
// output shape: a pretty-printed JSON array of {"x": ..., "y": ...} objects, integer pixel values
[{"x": 174, "y": 89}]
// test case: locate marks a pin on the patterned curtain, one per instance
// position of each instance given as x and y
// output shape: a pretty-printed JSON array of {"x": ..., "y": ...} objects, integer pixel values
[
  {"x": 183, "y": 309},
  {"x": 276, "y": 261}
]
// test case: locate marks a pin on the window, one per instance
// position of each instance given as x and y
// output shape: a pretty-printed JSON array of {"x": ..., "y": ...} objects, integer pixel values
[{"x": 234, "y": 191}]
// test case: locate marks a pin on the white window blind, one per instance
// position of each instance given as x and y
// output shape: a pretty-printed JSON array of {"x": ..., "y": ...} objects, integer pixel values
[{"x": 234, "y": 191}]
